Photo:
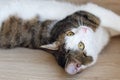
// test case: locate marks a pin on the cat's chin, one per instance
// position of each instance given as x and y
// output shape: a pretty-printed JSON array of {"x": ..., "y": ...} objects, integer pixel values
[{"x": 74, "y": 68}]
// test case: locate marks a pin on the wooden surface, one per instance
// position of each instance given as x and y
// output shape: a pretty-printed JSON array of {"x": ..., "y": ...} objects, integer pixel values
[{"x": 27, "y": 64}]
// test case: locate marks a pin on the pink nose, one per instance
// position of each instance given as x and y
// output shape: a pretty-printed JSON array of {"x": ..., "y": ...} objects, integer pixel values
[{"x": 73, "y": 68}]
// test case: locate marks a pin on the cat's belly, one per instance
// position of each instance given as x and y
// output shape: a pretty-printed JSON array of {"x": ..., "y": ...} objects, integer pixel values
[{"x": 29, "y": 9}]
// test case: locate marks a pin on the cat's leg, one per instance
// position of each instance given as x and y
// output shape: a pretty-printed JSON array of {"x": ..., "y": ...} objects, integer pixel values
[{"x": 108, "y": 18}]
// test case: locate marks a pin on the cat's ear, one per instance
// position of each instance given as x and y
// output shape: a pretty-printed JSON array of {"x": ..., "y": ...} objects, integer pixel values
[{"x": 53, "y": 46}]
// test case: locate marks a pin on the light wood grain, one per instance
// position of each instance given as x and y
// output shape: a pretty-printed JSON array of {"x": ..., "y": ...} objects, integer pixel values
[{"x": 27, "y": 64}]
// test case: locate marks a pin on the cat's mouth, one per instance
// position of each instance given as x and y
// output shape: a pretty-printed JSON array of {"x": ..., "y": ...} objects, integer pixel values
[
  {"x": 73, "y": 68},
  {"x": 77, "y": 62}
]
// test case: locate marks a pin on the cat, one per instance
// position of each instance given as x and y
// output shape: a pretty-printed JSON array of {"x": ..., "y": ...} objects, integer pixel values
[
  {"x": 74, "y": 34},
  {"x": 78, "y": 41}
]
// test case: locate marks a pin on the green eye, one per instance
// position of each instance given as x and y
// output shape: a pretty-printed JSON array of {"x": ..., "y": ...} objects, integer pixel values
[
  {"x": 70, "y": 33},
  {"x": 81, "y": 46}
]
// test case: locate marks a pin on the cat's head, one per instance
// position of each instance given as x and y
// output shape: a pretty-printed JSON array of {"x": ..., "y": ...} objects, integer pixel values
[{"x": 74, "y": 41}]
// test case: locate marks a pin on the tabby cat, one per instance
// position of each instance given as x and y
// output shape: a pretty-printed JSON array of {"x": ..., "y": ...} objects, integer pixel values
[{"x": 75, "y": 35}]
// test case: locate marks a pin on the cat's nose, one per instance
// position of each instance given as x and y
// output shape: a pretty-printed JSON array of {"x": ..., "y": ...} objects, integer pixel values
[{"x": 73, "y": 68}]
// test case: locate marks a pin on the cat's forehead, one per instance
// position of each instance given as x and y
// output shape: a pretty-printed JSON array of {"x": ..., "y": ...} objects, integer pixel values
[
  {"x": 84, "y": 18},
  {"x": 80, "y": 18}
]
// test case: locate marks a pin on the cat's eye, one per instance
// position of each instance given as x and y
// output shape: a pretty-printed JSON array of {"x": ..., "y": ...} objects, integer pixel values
[
  {"x": 70, "y": 33},
  {"x": 81, "y": 46}
]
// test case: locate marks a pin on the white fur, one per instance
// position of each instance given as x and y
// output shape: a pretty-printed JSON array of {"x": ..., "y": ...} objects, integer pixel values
[
  {"x": 51, "y": 9},
  {"x": 28, "y": 9}
]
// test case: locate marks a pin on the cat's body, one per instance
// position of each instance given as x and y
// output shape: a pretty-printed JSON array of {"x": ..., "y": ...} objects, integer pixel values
[{"x": 44, "y": 23}]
